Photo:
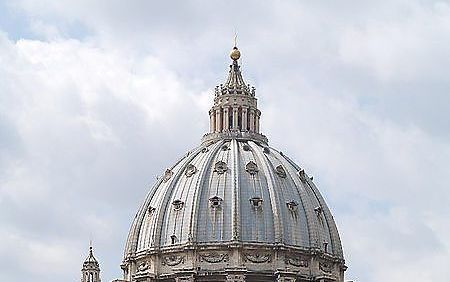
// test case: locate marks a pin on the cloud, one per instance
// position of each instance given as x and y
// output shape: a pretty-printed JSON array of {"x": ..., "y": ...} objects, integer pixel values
[
  {"x": 106, "y": 95},
  {"x": 77, "y": 121}
]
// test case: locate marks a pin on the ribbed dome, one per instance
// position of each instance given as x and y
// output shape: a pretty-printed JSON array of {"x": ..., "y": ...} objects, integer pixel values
[
  {"x": 234, "y": 209},
  {"x": 234, "y": 190}
]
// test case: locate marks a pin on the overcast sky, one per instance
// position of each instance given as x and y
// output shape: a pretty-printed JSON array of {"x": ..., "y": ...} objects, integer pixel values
[{"x": 97, "y": 98}]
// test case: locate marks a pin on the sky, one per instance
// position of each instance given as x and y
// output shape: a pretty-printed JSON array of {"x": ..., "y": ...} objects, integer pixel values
[{"x": 98, "y": 98}]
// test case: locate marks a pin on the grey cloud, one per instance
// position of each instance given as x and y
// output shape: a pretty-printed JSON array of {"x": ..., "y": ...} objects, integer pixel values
[{"x": 355, "y": 92}]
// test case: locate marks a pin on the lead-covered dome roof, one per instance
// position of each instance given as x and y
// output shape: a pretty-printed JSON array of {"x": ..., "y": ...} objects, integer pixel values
[{"x": 233, "y": 190}]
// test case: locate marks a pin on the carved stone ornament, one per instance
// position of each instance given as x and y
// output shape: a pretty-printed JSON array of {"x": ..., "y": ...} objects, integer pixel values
[
  {"x": 177, "y": 205},
  {"x": 325, "y": 267},
  {"x": 225, "y": 147},
  {"x": 185, "y": 279},
  {"x": 172, "y": 260},
  {"x": 251, "y": 168},
  {"x": 215, "y": 202},
  {"x": 318, "y": 210},
  {"x": 167, "y": 175},
  {"x": 235, "y": 278},
  {"x": 143, "y": 266},
  {"x": 246, "y": 147},
  {"x": 302, "y": 175},
  {"x": 257, "y": 257},
  {"x": 292, "y": 206},
  {"x": 214, "y": 257},
  {"x": 286, "y": 279},
  {"x": 220, "y": 167},
  {"x": 296, "y": 261},
  {"x": 190, "y": 170},
  {"x": 280, "y": 171},
  {"x": 204, "y": 150},
  {"x": 266, "y": 150}
]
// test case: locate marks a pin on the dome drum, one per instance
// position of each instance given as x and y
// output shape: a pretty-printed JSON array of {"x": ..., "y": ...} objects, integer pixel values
[{"x": 252, "y": 261}]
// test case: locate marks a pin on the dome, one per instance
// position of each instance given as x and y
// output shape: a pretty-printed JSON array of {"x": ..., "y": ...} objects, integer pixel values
[{"x": 234, "y": 209}]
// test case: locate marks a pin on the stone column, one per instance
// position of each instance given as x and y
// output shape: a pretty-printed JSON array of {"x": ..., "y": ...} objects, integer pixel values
[
  {"x": 235, "y": 118},
  {"x": 244, "y": 119},
  {"x": 218, "y": 121},
  {"x": 226, "y": 120},
  {"x": 212, "y": 121},
  {"x": 257, "y": 115},
  {"x": 252, "y": 120}
]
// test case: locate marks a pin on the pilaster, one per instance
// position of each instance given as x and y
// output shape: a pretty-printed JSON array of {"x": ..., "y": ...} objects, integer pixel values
[
  {"x": 235, "y": 118},
  {"x": 226, "y": 119},
  {"x": 244, "y": 119},
  {"x": 218, "y": 121},
  {"x": 252, "y": 120}
]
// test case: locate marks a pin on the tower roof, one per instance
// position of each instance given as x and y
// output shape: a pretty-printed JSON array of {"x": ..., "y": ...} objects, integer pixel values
[{"x": 90, "y": 259}]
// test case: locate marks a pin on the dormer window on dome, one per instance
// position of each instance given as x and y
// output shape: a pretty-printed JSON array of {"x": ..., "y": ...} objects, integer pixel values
[
  {"x": 292, "y": 206},
  {"x": 256, "y": 202},
  {"x": 215, "y": 202},
  {"x": 177, "y": 205},
  {"x": 167, "y": 175},
  {"x": 190, "y": 170},
  {"x": 280, "y": 171},
  {"x": 220, "y": 167},
  {"x": 251, "y": 168}
]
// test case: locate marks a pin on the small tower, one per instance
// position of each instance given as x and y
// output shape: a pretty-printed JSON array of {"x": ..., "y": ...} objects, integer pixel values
[{"x": 91, "y": 270}]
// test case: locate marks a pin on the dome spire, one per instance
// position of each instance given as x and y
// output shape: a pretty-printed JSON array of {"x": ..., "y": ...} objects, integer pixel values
[
  {"x": 235, "y": 113},
  {"x": 235, "y": 81},
  {"x": 235, "y": 54}
]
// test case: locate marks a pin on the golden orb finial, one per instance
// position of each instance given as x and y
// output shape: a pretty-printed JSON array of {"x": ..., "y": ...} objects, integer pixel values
[{"x": 235, "y": 54}]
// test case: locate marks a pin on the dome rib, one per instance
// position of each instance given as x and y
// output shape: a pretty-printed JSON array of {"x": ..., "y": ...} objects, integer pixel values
[
  {"x": 307, "y": 206},
  {"x": 235, "y": 223},
  {"x": 332, "y": 228},
  {"x": 195, "y": 209},
  {"x": 277, "y": 222},
  {"x": 133, "y": 237},
  {"x": 253, "y": 184},
  {"x": 164, "y": 204},
  {"x": 297, "y": 220}
]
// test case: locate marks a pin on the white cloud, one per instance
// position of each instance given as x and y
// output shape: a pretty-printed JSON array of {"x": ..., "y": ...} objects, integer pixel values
[
  {"x": 407, "y": 48},
  {"x": 74, "y": 108}
]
